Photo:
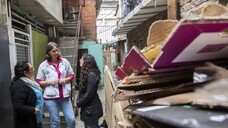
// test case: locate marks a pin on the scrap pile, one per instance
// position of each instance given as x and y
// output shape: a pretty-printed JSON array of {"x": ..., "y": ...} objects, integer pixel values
[{"x": 171, "y": 70}]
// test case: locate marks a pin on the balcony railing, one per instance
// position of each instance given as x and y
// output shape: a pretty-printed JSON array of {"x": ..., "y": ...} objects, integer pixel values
[
  {"x": 128, "y": 6},
  {"x": 135, "y": 12}
]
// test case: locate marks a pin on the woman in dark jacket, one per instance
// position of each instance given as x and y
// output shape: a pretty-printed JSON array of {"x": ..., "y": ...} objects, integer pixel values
[
  {"x": 23, "y": 97},
  {"x": 88, "y": 99}
]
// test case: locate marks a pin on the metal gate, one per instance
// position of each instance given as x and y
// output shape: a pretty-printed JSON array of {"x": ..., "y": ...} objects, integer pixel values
[
  {"x": 23, "y": 45},
  {"x": 20, "y": 46}
]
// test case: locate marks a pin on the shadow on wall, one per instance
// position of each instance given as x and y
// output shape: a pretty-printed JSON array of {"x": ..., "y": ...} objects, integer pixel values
[{"x": 6, "y": 109}]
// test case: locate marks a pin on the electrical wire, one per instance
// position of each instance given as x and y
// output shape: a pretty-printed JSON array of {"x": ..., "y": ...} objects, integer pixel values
[{"x": 111, "y": 27}]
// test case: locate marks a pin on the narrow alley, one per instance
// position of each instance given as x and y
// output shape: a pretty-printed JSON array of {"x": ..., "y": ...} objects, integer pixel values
[{"x": 157, "y": 63}]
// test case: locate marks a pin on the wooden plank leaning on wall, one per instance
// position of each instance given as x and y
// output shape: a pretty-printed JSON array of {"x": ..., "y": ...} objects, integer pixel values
[{"x": 172, "y": 9}]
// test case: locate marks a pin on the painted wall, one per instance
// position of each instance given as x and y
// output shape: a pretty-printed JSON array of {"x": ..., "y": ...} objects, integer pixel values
[
  {"x": 39, "y": 42},
  {"x": 95, "y": 50}
]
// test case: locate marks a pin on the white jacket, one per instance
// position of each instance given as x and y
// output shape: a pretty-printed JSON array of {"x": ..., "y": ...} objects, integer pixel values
[{"x": 47, "y": 71}]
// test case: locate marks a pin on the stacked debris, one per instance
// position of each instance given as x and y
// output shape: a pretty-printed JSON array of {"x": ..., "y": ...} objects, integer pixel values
[
  {"x": 213, "y": 94},
  {"x": 171, "y": 70},
  {"x": 185, "y": 62}
]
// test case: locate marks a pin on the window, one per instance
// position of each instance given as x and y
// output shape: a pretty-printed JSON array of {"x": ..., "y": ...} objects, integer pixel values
[
  {"x": 23, "y": 46},
  {"x": 20, "y": 44}
]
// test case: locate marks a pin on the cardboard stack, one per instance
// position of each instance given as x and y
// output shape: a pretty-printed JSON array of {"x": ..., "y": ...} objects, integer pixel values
[{"x": 167, "y": 65}]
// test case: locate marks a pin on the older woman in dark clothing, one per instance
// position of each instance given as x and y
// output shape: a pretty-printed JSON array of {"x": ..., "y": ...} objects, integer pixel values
[
  {"x": 23, "y": 97},
  {"x": 88, "y": 99}
]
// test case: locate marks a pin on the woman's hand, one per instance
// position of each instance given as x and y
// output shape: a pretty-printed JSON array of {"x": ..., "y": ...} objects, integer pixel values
[
  {"x": 63, "y": 80},
  {"x": 37, "y": 110},
  {"x": 53, "y": 81},
  {"x": 46, "y": 83}
]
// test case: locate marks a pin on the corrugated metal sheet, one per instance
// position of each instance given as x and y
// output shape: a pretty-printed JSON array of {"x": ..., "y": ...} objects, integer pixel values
[{"x": 145, "y": 10}]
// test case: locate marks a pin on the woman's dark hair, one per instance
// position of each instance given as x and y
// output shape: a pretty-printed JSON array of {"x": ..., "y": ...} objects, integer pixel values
[
  {"x": 89, "y": 65},
  {"x": 20, "y": 68},
  {"x": 50, "y": 46}
]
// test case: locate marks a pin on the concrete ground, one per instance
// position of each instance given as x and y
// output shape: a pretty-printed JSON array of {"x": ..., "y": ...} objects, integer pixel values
[{"x": 79, "y": 123}]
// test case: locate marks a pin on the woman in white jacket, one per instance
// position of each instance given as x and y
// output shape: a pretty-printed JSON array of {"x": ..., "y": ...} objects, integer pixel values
[{"x": 54, "y": 75}]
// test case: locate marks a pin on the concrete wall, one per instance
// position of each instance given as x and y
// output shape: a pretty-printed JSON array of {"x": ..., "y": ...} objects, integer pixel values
[
  {"x": 89, "y": 20},
  {"x": 6, "y": 109},
  {"x": 54, "y": 7},
  {"x": 95, "y": 50},
  {"x": 39, "y": 41}
]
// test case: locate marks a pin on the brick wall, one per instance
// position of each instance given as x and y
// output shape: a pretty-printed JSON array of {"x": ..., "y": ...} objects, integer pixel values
[
  {"x": 89, "y": 20},
  {"x": 138, "y": 36},
  {"x": 193, "y": 8}
]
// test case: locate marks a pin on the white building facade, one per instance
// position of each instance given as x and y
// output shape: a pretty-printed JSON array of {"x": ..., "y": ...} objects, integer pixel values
[{"x": 106, "y": 21}]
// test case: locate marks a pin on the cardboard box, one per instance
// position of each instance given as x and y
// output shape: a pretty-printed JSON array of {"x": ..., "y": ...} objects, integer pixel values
[{"x": 191, "y": 42}]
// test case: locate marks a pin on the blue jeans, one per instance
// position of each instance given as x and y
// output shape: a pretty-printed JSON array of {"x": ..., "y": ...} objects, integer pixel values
[{"x": 66, "y": 107}]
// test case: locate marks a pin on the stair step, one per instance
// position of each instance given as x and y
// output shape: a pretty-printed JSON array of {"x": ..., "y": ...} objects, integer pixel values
[
  {"x": 72, "y": 22},
  {"x": 69, "y": 56},
  {"x": 46, "y": 114},
  {"x": 67, "y": 38},
  {"x": 62, "y": 124},
  {"x": 69, "y": 24},
  {"x": 67, "y": 44},
  {"x": 69, "y": 52},
  {"x": 62, "y": 47},
  {"x": 70, "y": 59}
]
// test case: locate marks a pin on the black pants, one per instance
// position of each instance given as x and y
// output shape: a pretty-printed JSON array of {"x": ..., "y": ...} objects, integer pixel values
[
  {"x": 39, "y": 125},
  {"x": 91, "y": 123}
]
